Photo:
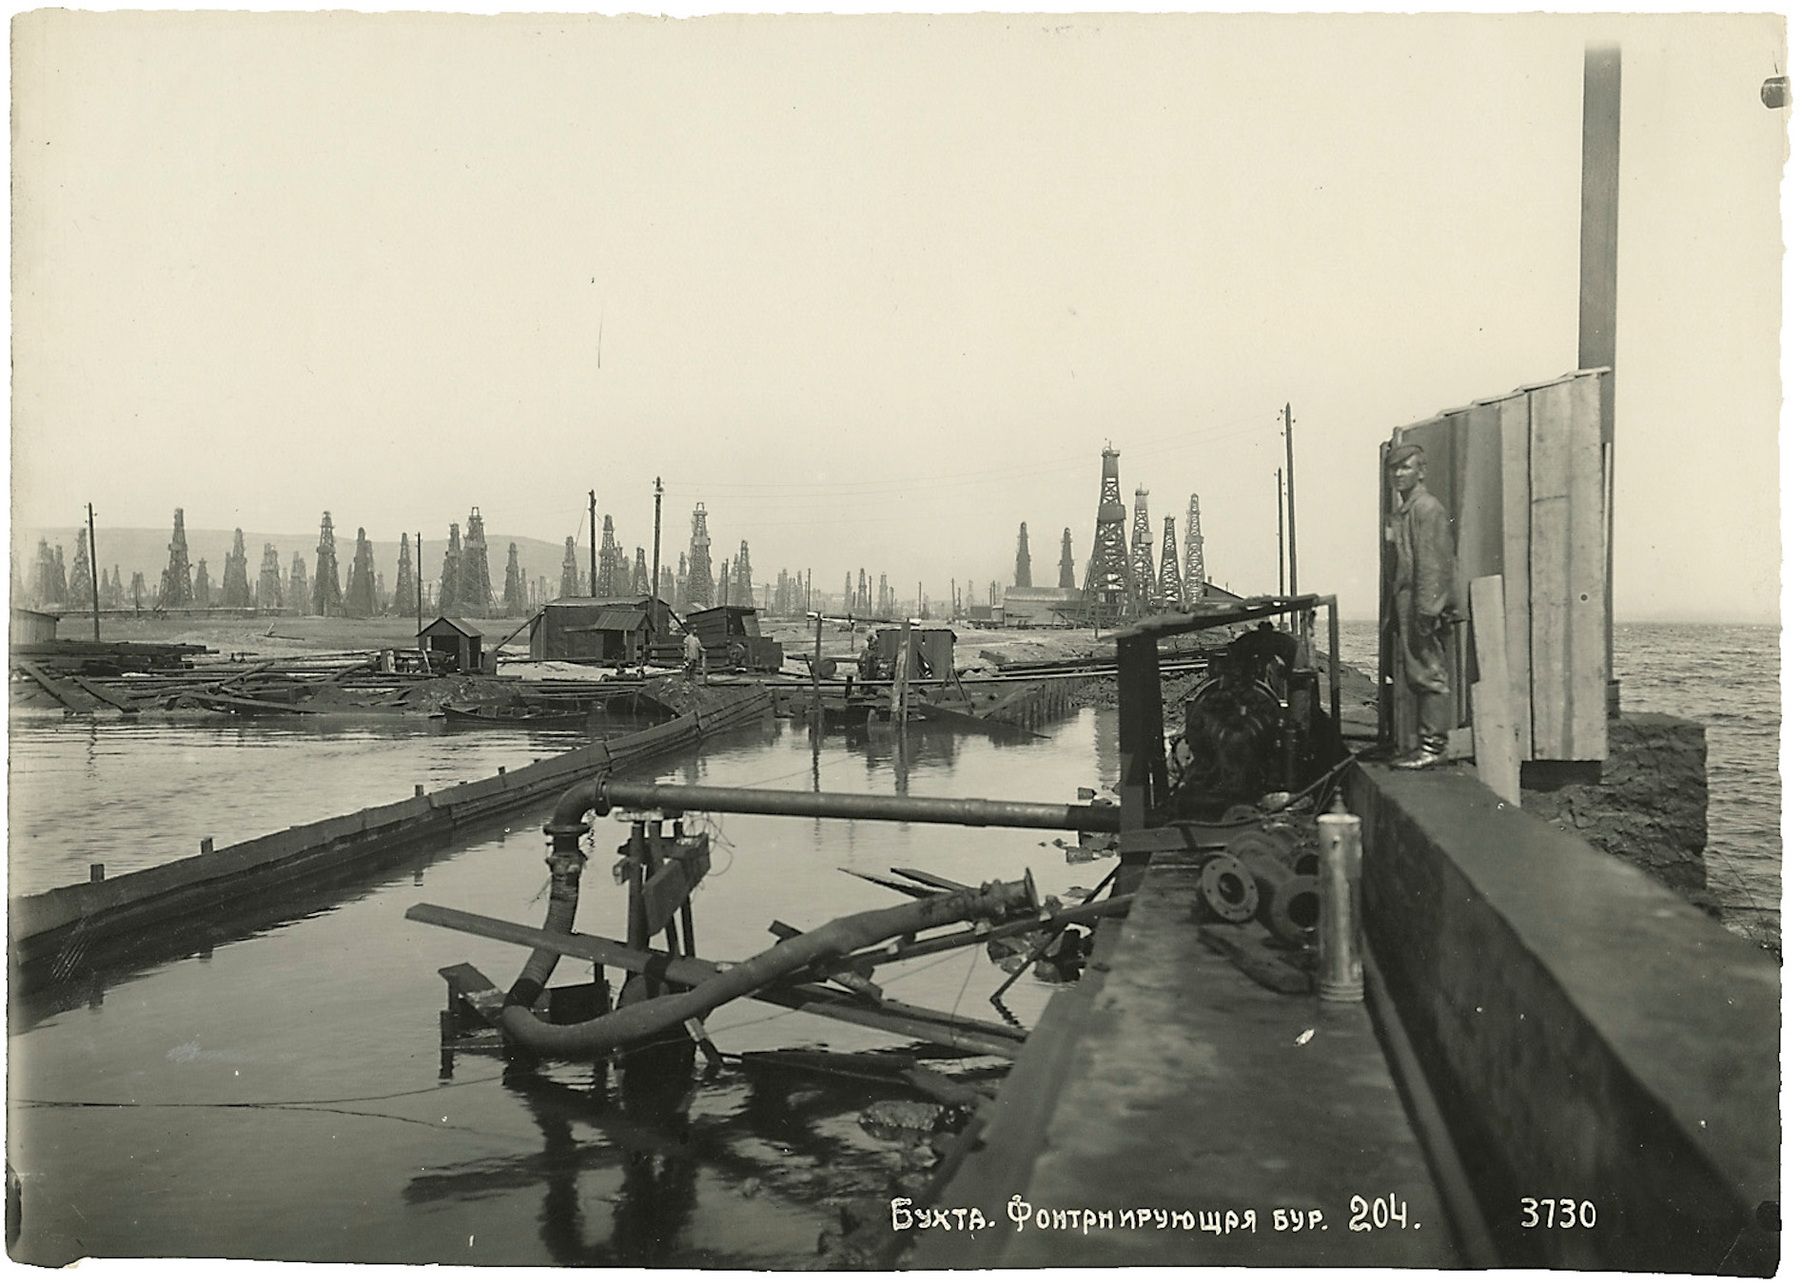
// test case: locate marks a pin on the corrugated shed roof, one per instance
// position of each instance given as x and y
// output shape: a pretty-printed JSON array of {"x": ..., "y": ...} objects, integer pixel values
[{"x": 615, "y": 619}]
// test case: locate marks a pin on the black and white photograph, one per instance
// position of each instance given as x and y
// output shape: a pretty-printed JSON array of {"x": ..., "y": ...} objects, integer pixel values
[{"x": 895, "y": 641}]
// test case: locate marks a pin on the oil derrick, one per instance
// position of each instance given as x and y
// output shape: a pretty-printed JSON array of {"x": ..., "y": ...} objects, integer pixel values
[
  {"x": 724, "y": 594},
  {"x": 452, "y": 572},
  {"x": 884, "y": 603},
  {"x": 44, "y": 583},
  {"x": 849, "y": 602},
  {"x": 381, "y": 597},
  {"x": 177, "y": 578},
  {"x": 234, "y": 589},
  {"x": 327, "y": 591},
  {"x": 297, "y": 591},
  {"x": 514, "y": 595},
  {"x": 1168, "y": 576},
  {"x": 137, "y": 590},
  {"x": 267, "y": 582},
  {"x": 1194, "y": 556},
  {"x": 1143, "y": 561},
  {"x": 681, "y": 582},
  {"x": 666, "y": 590},
  {"x": 1065, "y": 569},
  {"x": 406, "y": 592},
  {"x": 202, "y": 583},
  {"x": 1022, "y": 561},
  {"x": 474, "y": 586},
  {"x": 115, "y": 592},
  {"x": 611, "y": 573},
  {"x": 571, "y": 575},
  {"x": 81, "y": 578},
  {"x": 700, "y": 588},
  {"x": 742, "y": 589},
  {"x": 862, "y": 592},
  {"x": 640, "y": 577},
  {"x": 1108, "y": 586},
  {"x": 359, "y": 598}
]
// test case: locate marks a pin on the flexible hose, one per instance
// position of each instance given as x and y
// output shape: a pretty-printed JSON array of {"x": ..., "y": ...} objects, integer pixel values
[{"x": 838, "y": 937}]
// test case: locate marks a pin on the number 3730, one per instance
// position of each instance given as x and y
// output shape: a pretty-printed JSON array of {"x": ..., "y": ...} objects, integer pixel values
[{"x": 1561, "y": 1214}]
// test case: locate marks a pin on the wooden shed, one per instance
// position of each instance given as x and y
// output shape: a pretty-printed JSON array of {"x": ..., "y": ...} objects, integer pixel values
[
  {"x": 449, "y": 636},
  {"x": 733, "y": 638},
  {"x": 1522, "y": 479},
  {"x": 933, "y": 657},
  {"x": 589, "y": 630},
  {"x": 33, "y": 626}
]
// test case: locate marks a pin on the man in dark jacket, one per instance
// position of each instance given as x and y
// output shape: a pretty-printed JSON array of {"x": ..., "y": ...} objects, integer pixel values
[{"x": 1424, "y": 604}]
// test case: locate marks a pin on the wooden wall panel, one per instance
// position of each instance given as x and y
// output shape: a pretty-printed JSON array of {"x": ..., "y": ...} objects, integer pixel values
[
  {"x": 1551, "y": 692},
  {"x": 1587, "y": 573},
  {"x": 1515, "y": 556}
]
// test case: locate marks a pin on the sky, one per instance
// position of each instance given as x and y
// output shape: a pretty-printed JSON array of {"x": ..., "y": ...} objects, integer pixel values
[{"x": 876, "y": 290}]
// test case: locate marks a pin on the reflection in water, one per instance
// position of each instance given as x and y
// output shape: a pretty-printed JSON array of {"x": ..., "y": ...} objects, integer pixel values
[{"x": 332, "y": 1000}]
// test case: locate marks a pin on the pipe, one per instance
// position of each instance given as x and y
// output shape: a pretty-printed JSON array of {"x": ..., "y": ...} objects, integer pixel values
[
  {"x": 603, "y": 795},
  {"x": 838, "y": 937},
  {"x": 1340, "y": 887}
]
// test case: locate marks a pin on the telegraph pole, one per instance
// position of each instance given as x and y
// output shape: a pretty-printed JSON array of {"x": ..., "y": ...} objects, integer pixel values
[
  {"x": 1280, "y": 550},
  {"x": 1287, "y": 419},
  {"x": 419, "y": 576},
  {"x": 593, "y": 552},
  {"x": 94, "y": 571},
  {"x": 656, "y": 562}
]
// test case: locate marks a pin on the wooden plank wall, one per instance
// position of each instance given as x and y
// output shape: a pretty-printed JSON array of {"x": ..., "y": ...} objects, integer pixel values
[{"x": 1521, "y": 479}]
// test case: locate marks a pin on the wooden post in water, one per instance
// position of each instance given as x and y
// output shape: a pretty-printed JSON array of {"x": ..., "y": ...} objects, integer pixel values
[
  {"x": 94, "y": 571},
  {"x": 818, "y": 659}
]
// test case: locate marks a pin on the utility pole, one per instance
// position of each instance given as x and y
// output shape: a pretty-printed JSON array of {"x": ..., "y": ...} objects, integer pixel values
[
  {"x": 1280, "y": 546},
  {"x": 94, "y": 571},
  {"x": 419, "y": 576},
  {"x": 593, "y": 552},
  {"x": 1287, "y": 419},
  {"x": 656, "y": 564}
]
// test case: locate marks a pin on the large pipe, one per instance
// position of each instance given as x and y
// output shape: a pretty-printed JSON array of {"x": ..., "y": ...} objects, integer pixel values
[
  {"x": 1340, "y": 920},
  {"x": 602, "y": 796},
  {"x": 839, "y": 937}
]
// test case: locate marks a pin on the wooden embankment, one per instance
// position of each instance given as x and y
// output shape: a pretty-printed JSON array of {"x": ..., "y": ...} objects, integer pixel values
[{"x": 56, "y": 935}]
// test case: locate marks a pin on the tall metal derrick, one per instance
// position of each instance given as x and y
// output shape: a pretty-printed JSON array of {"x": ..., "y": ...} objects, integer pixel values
[
  {"x": 327, "y": 593},
  {"x": 1065, "y": 569}
]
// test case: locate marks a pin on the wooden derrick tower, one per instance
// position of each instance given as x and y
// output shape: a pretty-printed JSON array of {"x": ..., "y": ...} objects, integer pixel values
[
  {"x": 1065, "y": 569},
  {"x": 1108, "y": 585},
  {"x": 327, "y": 593},
  {"x": 1168, "y": 576},
  {"x": 700, "y": 584},
  {"x": 1022, "y": 562},
  {"x": 1143, "y": 562},
  {"x": 1194, "y": 556}
]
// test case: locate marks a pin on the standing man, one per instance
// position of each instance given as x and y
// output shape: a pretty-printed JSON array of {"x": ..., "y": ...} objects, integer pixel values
[
  {"x": 1424, "y": 609},
  {"x": 694, "y": 653}
]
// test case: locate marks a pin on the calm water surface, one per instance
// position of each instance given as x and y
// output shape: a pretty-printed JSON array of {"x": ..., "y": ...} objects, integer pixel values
[
  {"x": 1724, "y": 676},
  {"x": 280, "y": 1096}
]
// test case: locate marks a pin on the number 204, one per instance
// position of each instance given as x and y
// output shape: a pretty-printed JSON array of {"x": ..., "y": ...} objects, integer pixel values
[{"x": 1563, "y": 1214}]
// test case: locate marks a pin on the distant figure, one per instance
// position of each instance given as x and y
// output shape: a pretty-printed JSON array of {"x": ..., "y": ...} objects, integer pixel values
[
  {"x": 1424, "y": 578},
  {"x": 694, "y": 655}
]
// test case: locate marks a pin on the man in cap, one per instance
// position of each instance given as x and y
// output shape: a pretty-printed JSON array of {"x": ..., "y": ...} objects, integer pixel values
[{"x": 1424, "y": 578}]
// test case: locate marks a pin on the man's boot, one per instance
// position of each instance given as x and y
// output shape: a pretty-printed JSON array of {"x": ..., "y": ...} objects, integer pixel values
[{"x": 1433, "y": 750}]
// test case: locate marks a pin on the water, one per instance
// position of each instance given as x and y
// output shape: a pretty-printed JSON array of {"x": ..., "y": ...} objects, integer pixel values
[
  {"x": 1724, "y": 676},
  {"x": 280, "y": 1096},
  {"x": 135, "y": 793}
]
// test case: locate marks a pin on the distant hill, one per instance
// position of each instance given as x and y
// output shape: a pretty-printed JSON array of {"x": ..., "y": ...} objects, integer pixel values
[{"x": 133, "y": 548}]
